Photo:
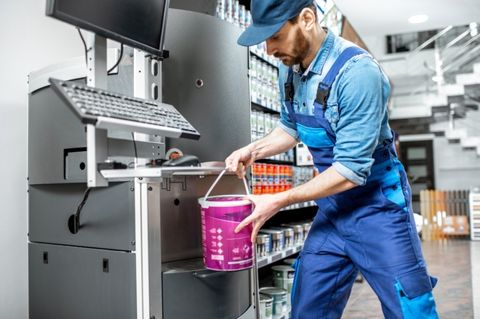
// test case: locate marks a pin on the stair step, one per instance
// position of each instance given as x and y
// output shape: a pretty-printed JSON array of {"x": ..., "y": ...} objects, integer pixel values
[
  {"x": 440, "y": 127},
  {"x": 454, "y": 89},
  {"x": 438, "y": 100},
  {"x": 467, "y": 78},
  {"x": 476, "y": 68},
  {"x": 456, "y": 135},
  {"x": 470, "y": 142}
]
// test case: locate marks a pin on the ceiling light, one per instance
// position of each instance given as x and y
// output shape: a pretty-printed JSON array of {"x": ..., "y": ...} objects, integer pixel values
[{"x": 420, "y": 18}]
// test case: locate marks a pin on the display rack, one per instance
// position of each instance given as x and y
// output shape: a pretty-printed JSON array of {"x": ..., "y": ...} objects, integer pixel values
[
  {"x": 274, "y": 257},
  {"x": 475, "y": 214}
]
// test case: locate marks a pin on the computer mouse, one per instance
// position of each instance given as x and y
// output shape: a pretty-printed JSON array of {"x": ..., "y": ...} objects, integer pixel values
[{"x": 185, "y": 160}]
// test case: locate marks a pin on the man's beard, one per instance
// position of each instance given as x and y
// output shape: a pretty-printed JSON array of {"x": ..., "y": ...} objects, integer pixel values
[{"x": 300, "y": 50}]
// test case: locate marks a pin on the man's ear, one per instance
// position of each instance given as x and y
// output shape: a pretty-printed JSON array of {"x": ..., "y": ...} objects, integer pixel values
[{"x": 307, "y": 19}]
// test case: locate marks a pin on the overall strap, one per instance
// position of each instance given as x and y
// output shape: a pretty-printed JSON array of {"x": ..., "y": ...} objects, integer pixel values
[
  {"x": 324, "y": 87},
  {"x": 289, "y": 90},
  {"x": 289, "y": 94}
]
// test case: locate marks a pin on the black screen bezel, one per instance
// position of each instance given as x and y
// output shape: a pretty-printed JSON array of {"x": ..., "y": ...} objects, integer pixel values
[{"x": 52, "y": 11}]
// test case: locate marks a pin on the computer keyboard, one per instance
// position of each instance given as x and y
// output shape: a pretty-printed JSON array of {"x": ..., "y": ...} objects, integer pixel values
[{"x": 111, "y": 110}]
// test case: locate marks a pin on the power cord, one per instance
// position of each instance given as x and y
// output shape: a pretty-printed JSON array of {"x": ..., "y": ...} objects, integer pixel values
[
  {"x": 118, "y": 61},
  {"x": 134, "y": 145},
  {"x": 84, "y": 44},
  {"x": 132, "y": 164},
  {"x": 74, "y": 220},
  {"x": 87, "y": 49}
]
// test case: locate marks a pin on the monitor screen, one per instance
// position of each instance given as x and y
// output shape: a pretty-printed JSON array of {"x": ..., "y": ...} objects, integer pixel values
[{"x": 137, "y": 23}]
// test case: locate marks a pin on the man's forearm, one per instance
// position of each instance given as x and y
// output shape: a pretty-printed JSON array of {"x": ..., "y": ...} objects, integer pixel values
[
  {"x": 327, "y": 183},
  {"x": 278, "y": 141}
]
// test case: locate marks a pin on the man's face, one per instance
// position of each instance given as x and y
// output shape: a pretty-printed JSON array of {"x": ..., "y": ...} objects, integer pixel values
[{"x": 289, "y": 44}]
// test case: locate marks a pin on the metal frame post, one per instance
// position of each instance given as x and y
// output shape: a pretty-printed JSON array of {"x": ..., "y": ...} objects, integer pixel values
[
  {"x": 97, "y": 145},
  {"x": 148, "y": 250},
  {"x": 147, "y": 84}
]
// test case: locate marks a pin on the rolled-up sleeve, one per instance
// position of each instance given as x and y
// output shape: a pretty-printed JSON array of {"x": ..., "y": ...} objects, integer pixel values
[
  {"x": 362, "y": 108},
  {"x": 285, "y": 122}
]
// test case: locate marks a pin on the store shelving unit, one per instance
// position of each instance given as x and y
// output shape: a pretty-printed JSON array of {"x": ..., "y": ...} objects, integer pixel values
[
  {"x": 475, "y": 214},
  {"x": 276, "y": 256}
]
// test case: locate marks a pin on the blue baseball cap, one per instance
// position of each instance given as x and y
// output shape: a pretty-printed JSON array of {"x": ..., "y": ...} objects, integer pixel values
[{"x": 268, "y": 17}]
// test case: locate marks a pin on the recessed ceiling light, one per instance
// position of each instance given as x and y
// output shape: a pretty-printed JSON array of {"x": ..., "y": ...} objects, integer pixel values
[{"x": 420, "y": 18}]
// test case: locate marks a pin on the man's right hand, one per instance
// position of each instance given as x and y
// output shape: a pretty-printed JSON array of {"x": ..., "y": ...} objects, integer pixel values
[{"x": 239, "y": 160}]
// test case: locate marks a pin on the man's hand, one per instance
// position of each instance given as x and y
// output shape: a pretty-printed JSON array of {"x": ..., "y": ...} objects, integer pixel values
[
  {"x": 239, "y": 160},
  {"x": 265, "y": 206},
  {"x": 276, "y": 142}
]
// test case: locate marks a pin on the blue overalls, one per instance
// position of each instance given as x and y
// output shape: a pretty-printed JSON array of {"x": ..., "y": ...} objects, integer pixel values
[{"x": 368, "y": 228}]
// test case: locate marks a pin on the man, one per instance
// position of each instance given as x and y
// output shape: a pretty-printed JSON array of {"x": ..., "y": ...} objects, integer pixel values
[{"x": 334, "y": 99}]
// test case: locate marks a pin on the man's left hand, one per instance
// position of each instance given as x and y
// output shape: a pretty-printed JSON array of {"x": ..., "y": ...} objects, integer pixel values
[{"x": 265, "y": 206}]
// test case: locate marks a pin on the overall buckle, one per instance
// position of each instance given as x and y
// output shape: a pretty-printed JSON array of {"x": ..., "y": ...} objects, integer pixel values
[{"x": 322, "y": 95}]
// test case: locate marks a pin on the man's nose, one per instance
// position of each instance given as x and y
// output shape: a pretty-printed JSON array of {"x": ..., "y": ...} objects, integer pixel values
[{"x": 270, "y": 47}]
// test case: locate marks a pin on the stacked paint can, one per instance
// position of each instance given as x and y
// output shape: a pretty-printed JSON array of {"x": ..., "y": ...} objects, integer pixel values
[
  {"x": 280, "y": 238},
  {"x": 283, "y": 276},
  {"x": 301, "y": 175},
  {"x": 264, "y": 84},
  {"x": 271, "y": 178},
  {"x": 264, "y": 246},
  {"x": 298, "y": 233},
  {"x": 288, "y": 234},
  {"x": 279, "y": 301},
  {"x": 290, "y": 261},
  {"x": 233, "y": 12},
  {"x": 277, "y": 239},
  {"x": 266, "y": 307},
  {"x": 306, "y": 229},
  {"x": 261, "y": 124}
]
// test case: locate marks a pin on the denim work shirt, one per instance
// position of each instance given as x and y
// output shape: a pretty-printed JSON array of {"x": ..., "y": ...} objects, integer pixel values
[{"x": 356, "y": 107}]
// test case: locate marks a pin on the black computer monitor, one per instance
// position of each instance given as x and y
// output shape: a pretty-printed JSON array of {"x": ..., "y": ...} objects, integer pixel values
[{"x": 137, "y": 23}]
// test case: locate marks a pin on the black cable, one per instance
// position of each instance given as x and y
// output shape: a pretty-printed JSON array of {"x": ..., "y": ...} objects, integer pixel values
[
  {"x": 118, "y": 61},
  {"x": 84, "y": 44},
  {"x": 86, "y": 52},
  {"x": 84, "y": 200},
  {"x": 134, "y": 145},
  {"x": 74, "y": 219}
]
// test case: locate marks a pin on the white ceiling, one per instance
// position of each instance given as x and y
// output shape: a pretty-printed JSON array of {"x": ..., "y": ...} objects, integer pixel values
[{"x": 381, "y": 17}]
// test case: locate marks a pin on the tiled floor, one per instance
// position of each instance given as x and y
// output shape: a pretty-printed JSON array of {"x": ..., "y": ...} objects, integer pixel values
[{"x": 451, "y": 262}]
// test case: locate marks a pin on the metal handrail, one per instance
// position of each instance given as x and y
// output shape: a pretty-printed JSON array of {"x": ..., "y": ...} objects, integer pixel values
[
  {"x": 461, "y": 49},
  {"x": 460, "y": 53},
  {"x": 430, "y": 41},
  {"x": 420, "y": 47},
  {"x": 456, "y": 40},
  {"x": 472, "y": 54}
]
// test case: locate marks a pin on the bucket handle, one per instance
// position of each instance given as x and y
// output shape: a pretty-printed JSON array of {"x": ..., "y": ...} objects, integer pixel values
[{"x": 247, "y": 190}]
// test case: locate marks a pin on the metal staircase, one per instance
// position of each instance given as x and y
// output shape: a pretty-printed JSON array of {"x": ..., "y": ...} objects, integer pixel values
[{"x": 439, "y": 90}]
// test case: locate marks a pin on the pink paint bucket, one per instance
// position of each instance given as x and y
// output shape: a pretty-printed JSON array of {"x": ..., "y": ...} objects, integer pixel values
[{"x": 223, "y": 249}]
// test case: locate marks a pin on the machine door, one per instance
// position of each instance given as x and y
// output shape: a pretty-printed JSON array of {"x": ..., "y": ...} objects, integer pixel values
[
  {"x": 79, "y": 283},
  {"x": 191, "y": 291}
]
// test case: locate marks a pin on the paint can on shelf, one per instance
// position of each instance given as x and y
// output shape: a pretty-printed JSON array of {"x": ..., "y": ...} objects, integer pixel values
[
  {"x": 283, "y": 276},
  {"x": 263, "y": 245},
  {"x": 279, "y": 296},
  {"x": 277, "y": 239},
  {"x": 290, "y": 261},
  {"x": 266, "y": 307}
]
